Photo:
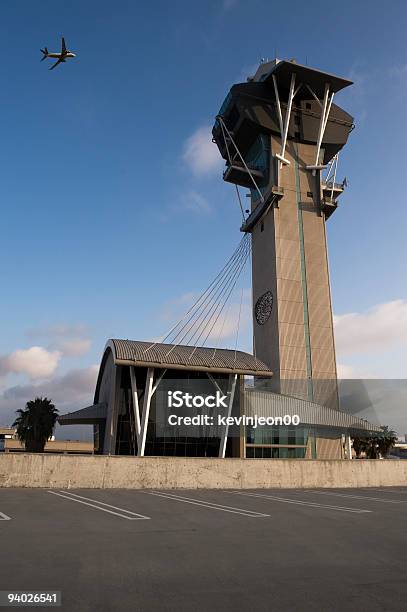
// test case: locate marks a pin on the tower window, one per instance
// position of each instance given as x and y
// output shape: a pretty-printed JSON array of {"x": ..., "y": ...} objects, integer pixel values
[
  {"x": 297, "y": 135},
  {"x": 262, "y": 226},
  {"x": 308, "y": 105},
  {"x": 297, "y": 119}
]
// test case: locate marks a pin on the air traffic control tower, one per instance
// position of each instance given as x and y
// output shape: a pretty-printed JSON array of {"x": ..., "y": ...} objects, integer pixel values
[{"x": 280, "y": 134}]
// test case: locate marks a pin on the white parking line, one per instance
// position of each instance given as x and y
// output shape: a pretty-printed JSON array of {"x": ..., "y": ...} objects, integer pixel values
[
  {"x": 4, "y": 517},
  {"x": 301, "y": 503},
  {"x": 210, "y": 505},
  {"x": 379, "y": 499},
  {"x": 131, "y": 516}
]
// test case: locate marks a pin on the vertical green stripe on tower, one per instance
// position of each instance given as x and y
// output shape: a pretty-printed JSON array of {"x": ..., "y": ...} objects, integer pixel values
[{"x": 310, "y": 391}]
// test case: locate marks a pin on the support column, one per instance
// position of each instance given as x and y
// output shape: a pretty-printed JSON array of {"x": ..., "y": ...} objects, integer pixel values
[
  {"x": 134, "y": 393},
  {"x": 242, "y": 436},
  {"x": 349, "y": 447},
  {"x": 141, "y": 442},
  {"x": 231, "y": 393},
  {"x": 284, "y": 125},
  {"x": 325, "y": 110}
]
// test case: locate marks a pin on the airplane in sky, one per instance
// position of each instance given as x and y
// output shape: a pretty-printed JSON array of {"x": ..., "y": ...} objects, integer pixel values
[{"x": 61, "y": 57}]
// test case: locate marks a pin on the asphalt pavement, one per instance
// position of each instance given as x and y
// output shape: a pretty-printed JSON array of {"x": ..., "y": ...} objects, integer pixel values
[{"x": 201, "y": 550}]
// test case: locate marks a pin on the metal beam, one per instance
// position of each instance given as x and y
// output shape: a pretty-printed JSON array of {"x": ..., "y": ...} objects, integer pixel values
[
  {"x": 157, "y": 382},
  {"x": 326, "y": 108},
  {"x": 287, "y": 116},
  {"x": 279, "y": 114},
  {"x": 241, "y": 158},
  {"x": 146, "y": 412},
  {"x": 334, "y": 177},
  {"x": 231, "y": 393},
  {"x": 314, "y": 94},
  {"x": 349, "y": 446},
  {"x": 136, "y": 409},
  {"x": 284, "y": 126},
  {"x": 214, "y": 382}
]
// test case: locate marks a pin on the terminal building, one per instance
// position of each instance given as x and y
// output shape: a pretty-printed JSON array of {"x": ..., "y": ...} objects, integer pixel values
[
  {"x": 280, "y": 134},
  {"x": 126, "y": 407}
]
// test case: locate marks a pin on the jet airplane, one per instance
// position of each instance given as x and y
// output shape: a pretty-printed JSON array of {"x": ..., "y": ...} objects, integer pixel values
[{"x": 61, "y": 57}]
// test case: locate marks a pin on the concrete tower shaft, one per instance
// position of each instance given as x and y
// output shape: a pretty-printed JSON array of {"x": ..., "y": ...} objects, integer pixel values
[
  {"x": 277, "y": 133},
  {"x": 290, "y": 261}
]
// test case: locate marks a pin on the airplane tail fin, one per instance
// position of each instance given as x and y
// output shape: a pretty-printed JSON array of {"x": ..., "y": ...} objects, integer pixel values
[{"x": 45, "y": 52}]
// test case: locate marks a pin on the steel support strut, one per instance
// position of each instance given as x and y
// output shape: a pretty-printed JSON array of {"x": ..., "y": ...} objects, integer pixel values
[
  {"x": 231, "y": 393},
  {"x": 286, "y": 122},
  {"x": 325, "y": 110},
  {"x": 284, "y": 125},
  {"x": 141, "y": 442},
  {"x": 141, "y": 427},
  {"x": 224, "y": 126},
  {"x": 134, "y": 393}
]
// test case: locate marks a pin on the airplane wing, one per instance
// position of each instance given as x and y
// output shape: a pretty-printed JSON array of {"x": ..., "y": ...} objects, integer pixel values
[
  {"x": 56, "y": 63},
  {"x": 63, "y": 48}
]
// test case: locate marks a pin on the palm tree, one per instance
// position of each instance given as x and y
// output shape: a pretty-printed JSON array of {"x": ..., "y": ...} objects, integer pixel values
[
  {"x": 375, "y": 445},
  {"x": 386, "y": 439},
  {"x": 359, "y": 446},
  {"x": 36, "y": 423}
]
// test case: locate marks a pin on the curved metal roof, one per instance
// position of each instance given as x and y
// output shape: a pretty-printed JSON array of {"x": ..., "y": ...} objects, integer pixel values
[{"x": 182, "y": 357}]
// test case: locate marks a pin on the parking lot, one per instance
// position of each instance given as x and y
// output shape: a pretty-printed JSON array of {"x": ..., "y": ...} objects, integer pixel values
[{"x": 276, "y": 549}]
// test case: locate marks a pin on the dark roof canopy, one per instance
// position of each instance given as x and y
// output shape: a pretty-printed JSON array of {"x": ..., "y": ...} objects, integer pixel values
[
  {"x": 316, "y": 79},
  {"x": 181, "y": 357},
  {"x": 88, "y": 415}
]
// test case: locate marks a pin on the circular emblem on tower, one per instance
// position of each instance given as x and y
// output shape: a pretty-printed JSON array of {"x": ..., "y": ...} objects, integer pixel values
[{"x": 263, "y": 308}]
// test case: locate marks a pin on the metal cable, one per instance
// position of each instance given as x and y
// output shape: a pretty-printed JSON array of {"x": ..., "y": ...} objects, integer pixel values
[
  {"x": 215, "y": 289},
  {"x": 216, "y": 303},
  {"x": 197, "y": 309},
  {"x": 219, "y": 292},
  {"x": 225, "y": 301},
  {"x": 233, "y": 256}
]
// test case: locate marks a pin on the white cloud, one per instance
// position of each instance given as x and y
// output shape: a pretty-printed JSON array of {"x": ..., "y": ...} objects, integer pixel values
[
  {"x": 203, "y": 323},
  {"x": 352, "y": 372},
  {"x": 345, "y": 371},
  {"x": 69, "y": 392},
  {"x": 57, "y": 331},
  {"x": 69, "y": 340},
  {"x": 354, "y": 97},
  {"x": 35, "y": 362},
  {"x": 190, "y": 202},
  {"x": 200, "y": 154},
  {"x": 398, "y": 71},
  {"x": 196, "y": 203},
  {"x": 174, "y": 308},
  {"x": 377, "y": 330},
  {"x": 74, "y": 348}
]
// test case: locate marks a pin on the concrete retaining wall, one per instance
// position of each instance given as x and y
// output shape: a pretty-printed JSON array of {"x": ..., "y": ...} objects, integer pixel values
[{"x": 65, "y": 471}]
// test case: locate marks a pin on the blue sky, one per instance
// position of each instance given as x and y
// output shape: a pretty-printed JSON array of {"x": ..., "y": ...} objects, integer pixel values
[{"x": 113, "y": 206}]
